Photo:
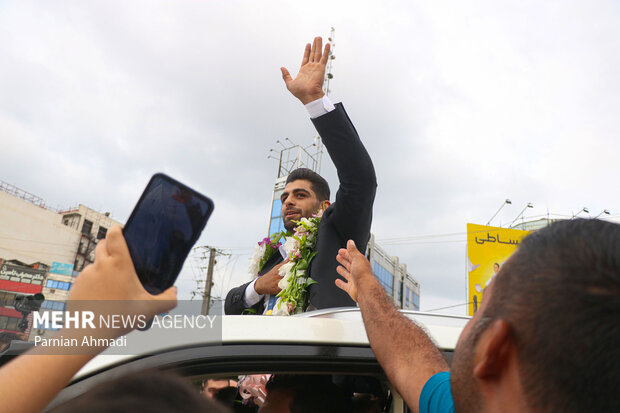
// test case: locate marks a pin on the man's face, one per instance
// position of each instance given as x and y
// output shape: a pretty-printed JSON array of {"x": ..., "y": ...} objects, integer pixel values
[
  {"x": 495, "y": 268},
  {"x": 213, "y": 386},
  {"x": 467, "y": 397},
  {"x": 298, "y": 201}
]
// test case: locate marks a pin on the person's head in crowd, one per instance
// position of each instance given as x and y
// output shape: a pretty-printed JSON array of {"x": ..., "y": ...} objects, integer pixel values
[
  {"x": 304, "y": 394},
  {"x": 6, "y": 337},
  {"x": 366, "y": 403},
  {"x": 495, "y": 268},
  {"x": 548, "y": 331},
  {"x": 211, "y": 387},
  {"x": 304, "y": 194},
  {"x": 149, "y": 391}
]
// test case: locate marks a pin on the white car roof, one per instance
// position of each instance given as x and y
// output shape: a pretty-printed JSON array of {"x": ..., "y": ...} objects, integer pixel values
[{"x": 342, "y": 326}]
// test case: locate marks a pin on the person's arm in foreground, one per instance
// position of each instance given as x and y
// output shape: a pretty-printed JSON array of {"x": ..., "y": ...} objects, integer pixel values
[
  {"x": 29, "y": 382},
  {"x": 406, "y": 353}
]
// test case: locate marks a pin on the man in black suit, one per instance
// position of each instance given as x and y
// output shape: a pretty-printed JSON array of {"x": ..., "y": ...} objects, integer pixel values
[{"x": 349, "y": 217}]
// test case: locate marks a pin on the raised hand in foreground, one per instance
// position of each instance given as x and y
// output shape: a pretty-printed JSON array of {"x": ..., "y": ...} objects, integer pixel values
[
  {"x": 111, "y": 277},
  {"x": 406, "y": 353}
]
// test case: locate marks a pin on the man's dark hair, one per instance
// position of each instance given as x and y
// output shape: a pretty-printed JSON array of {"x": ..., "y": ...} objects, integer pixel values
[
  {"x": 311, "y": 393},
  {"x": 150, "y": 391},
  {"x": 317, "y": 183},
  {"x": 560, "y": 294}
]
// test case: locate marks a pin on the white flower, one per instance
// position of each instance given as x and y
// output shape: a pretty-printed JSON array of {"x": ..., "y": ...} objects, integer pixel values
[
  {"x": 290, "y": 244},
  {"x": 255, "y": 260},
  {"x": 283, "y": 283},
  {"x": 280, "y": 309},
  {"x": 285, "y": 270},
  {"x": 286, "y": 274}
]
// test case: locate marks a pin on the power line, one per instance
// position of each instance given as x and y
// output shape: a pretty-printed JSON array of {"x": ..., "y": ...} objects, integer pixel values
[{"x": 450, "y": 306}]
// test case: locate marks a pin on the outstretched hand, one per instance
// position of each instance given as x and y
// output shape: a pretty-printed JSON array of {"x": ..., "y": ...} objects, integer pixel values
[
  {"x": 308, "y": 85},
  {"x": 112, "y": 277},
  {"x": 354, "y": 267}
]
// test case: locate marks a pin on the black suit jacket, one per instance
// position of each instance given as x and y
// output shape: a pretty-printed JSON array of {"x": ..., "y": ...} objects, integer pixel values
[{"x": 349, "y": 217}]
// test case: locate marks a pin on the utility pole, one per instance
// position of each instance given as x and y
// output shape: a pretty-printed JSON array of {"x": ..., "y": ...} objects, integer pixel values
[{"x": 206, "y": 298}]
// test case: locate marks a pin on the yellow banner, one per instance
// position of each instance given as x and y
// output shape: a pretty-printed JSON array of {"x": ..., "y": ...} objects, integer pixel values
[{"x": 487, "y": 249}]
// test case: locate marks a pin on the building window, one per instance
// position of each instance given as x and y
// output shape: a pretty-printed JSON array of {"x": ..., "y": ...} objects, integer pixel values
[
  {"x": 386, "y": 279},
  {"x": 58, "y": 285},
  {"x": 276, "y": 208},
  {"x": 87, "y": 227},
  {"x": 53, "y": 305},
  {"x": 276, "y": 224},
  {"x": 415, "y": 299},
  {"x": 407, "y": 297},
  {"x": 102, "y": 233}
]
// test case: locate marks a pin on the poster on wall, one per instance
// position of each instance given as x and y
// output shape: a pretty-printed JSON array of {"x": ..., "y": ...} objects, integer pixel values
[{"x": 487, "y": 250}]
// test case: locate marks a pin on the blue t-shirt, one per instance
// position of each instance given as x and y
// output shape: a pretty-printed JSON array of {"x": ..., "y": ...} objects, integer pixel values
[{"x": 436, "y": 396}]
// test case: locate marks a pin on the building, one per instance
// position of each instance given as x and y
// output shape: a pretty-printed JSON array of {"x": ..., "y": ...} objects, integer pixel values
[
  {"x": 17, "y": 279},
  {"x": 393, "y": 276},
  {"x": 276, "y": 224},
  {"x": 44, "y": 248}
]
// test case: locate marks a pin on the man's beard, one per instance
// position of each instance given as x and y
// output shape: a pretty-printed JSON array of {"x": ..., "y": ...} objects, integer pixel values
[
  {"x": 290, "y": 225},
  {"x": 465, "y": 393}
]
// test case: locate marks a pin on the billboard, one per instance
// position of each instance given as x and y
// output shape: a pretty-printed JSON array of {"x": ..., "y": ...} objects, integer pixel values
[
  {"x": 24, "y": 275},
  {"x": 61, "y": 268},
  {"x": 487, "y": 249}
]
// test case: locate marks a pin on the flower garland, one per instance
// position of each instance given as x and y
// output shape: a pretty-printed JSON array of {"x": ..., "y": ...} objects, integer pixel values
[
  {"x": 300, "y": 246},
  {"x": 264, "y": 250},
  {"x": 294, "y": 283}
]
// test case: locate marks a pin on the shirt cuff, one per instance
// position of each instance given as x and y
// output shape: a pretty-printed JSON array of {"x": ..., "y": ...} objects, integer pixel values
[
  {"x": 319, "y": 107},
  {"x": 251, "y": 297}
]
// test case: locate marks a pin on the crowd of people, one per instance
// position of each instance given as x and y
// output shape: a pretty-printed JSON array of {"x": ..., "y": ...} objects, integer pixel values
[{"x": 545, "y": 339}]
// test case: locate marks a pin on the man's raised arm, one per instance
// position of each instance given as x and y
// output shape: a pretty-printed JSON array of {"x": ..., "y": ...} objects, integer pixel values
[{"x": 406, "y": 353}]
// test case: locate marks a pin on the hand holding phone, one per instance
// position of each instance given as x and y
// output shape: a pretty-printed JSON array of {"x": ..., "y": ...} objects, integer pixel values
[{"x": 163, "y": 227}]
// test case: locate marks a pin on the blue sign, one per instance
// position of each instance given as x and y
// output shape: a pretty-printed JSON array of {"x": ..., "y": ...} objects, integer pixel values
[{"x": 61, "y": 268}]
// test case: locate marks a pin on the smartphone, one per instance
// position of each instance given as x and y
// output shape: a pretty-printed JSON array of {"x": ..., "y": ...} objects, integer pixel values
[{"x": 163, "y": 227}]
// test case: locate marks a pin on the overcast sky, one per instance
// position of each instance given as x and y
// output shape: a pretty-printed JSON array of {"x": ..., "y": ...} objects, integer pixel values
[{"x": 460, "y": 104}]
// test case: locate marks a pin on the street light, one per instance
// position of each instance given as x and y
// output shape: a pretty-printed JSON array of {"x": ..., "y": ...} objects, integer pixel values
[
  {"x": 529, "y": 205},
  {"x": 507, "y": 201},
  {"x": 605, "y": 211},
  {"x": 584, "y": 209}
]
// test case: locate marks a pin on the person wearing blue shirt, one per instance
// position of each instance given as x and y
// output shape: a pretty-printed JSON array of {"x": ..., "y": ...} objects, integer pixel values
[{"x": 545, "y": 338}]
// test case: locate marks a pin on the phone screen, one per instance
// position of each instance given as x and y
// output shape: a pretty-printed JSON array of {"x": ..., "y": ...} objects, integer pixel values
[{"x": 162, "y": 229}]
